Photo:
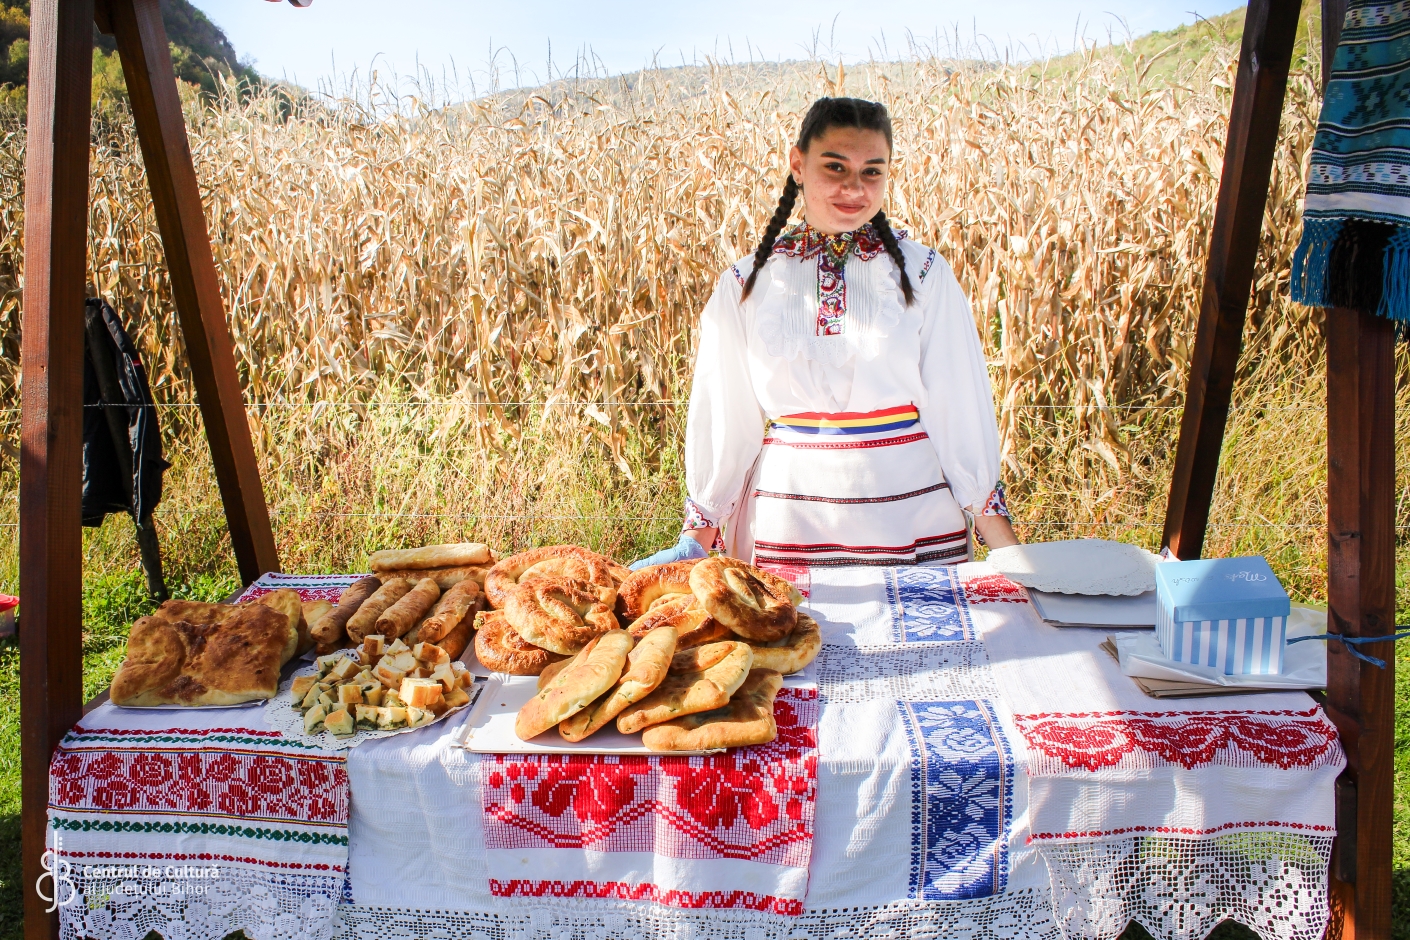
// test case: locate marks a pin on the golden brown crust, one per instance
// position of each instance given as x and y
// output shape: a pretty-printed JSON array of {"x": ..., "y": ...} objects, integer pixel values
[
  {"x": 700, "y": 679},
  {"x": 459, "y": 603},
  {"x": 558, "y": 614},
  {"x": 556, "y": 561},
  {"x": 500, "y": 648},
  {"x": 455, "y": 642},
  {"x": 445, "y": 578},
  {"x": 330, "y": 631},
  {"x": 647, "y": 665},
  {"x": 551, "y": 670},
  {"x": 592, "y": 671},
  {"x": 406, "y": 613},
  {"x": 755, "y": 604},
  {"x": 747, "y": 720},
  {"x": 693, "y": 626},
  {"x": 454, "y": 555},
  {"x": 794, "y": 651},
  {"x": 364, "y": 622},
  {"x": 644, "y": 589},
  {"x": 181, "y": 663},
  {"x": 286, "y": 601}
]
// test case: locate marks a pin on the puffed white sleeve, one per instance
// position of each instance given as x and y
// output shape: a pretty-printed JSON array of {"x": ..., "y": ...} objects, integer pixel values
[
  {"x": 724, "y": 428},
  {"x": 959, "y": 413}
]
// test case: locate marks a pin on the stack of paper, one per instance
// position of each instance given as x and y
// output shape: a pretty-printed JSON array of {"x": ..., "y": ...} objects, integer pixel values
[{"x": 1094, "y": 610}]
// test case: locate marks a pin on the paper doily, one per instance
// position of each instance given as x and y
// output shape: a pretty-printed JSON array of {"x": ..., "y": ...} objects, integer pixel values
[
  {"x": 1078, "y": 566},
  {"x": 282, "y": 716}
]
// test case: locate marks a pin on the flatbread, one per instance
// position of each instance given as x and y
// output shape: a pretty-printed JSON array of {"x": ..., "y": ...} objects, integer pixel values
[
  {"x": 432, "y": 556},
  {"x": 647, "y": 665},
  {"x": 287, "y": 602},
  {"x": 182, "y": 663},
  {"x": 794, "y": 651},
  {"x": 748, "y": 719},
  {"x": 591, "y": 672},
  {"x": 700, "y": 679}
]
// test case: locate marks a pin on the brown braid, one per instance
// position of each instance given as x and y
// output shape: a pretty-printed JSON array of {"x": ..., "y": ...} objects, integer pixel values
[
  {"x": 888, "y": 238},
  {"x": 776, "y": 224}
]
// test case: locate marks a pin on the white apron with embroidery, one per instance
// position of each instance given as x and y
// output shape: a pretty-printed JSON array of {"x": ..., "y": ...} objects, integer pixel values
[{"x": 832, "y": 424}]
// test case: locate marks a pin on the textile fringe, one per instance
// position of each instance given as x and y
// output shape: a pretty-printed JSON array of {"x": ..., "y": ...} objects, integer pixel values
[{"x": 1356, "y": 263}]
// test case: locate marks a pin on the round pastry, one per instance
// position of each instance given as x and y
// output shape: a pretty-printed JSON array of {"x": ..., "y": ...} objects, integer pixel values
[
  {"x": 753, "y": 603},
  {"x": 655, "y": 585},
  {"x": 693, "y": 626},
  {"x": 558, "y": 614},
  {"x": 500, "y": 648},
  {"x": 563, "y": 561},
  {"x": 794, "y": 651}
]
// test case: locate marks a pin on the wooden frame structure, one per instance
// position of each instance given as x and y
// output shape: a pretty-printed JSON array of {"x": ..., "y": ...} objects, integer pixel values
[{"x": 1360, "y": 376}]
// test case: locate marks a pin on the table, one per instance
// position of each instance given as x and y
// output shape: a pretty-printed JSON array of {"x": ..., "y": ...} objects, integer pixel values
[{"x": 963, "y": 770}]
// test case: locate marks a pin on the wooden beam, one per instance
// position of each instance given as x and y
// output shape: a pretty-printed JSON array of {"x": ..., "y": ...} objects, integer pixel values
[
  {"x": 51, "y": 401},
  {"x": 171, "y": 175},
  {"x": 1361, "y": 602},
  {"x": 1270, "y": 29}
]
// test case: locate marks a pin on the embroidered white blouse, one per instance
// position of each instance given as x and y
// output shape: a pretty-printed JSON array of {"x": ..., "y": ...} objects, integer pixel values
[{"x": 826, "y": 329}]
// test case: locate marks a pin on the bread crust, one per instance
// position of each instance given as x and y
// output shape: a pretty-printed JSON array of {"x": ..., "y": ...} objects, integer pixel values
[
  {"x": 693, "y": 626},
  {"x": 330, "y": 630},
  {"x": 500, "y": 648},
  {"x": 403, "y": 616},
  {"x": 559, "y": 614},
  {"x": 228, "y": 662},
  {"x": 286, "y": 601},
  {"x": 754, "y": 603},
  {"x": 560, "y": 561},
  {"x": 364, "y": 622},
  {"x": 457, "y": 604},
  {"x": 699, "y": 680},
  {"x": 646, "y": 588},
  {"x": 747, "y": 720},
  {"x": 455, "y": 642},
  {"x": 794, "y": 651},
  {"x": 594, "y": 670},
  {"x": 445, "y": 578},
  {"x": 647, "y": 666}
]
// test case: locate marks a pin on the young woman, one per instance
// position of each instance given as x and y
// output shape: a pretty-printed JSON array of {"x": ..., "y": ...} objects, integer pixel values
[{"x": 841, "y": 412}]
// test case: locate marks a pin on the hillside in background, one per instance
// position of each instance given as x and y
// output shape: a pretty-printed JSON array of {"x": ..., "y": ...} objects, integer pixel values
[{"x": 199, "y": 50}]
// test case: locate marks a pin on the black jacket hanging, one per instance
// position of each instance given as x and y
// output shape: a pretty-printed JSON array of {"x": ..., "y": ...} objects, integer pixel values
[{"x": 105, "y": 488}]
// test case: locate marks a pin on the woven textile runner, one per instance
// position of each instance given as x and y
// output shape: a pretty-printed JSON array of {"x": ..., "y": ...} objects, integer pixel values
[
  {"x": 199, "y": 822},
  {"x": 1355, "y": 248}
]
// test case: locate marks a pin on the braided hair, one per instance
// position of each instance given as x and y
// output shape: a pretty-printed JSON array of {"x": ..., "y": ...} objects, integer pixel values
[{"x": 825, "y": 114}]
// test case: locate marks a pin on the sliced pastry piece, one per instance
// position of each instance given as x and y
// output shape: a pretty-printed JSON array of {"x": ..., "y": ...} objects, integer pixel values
[
  {"x": 794, "y": 651},
  {"x": 747, "y": 719},
  {"x": 699, "y": 680},
  {"x": 594, "y": 670},
  {"x": 647, "y": 665}
]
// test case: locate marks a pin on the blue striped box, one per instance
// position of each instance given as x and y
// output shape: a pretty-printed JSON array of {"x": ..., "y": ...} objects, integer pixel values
[{"x": 1227, "y": 613}]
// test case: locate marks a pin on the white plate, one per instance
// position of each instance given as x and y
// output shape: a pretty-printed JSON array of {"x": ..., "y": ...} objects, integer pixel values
[{"x": 1078, "y": 566}]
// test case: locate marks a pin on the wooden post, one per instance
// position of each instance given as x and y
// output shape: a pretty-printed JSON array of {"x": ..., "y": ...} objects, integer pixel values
[
  {"x": 1270, "y": 29},
  {"x": 161, "y": 128},
  {"x": 51, "y": 432},
  {"x": 1361, "y": 602}
]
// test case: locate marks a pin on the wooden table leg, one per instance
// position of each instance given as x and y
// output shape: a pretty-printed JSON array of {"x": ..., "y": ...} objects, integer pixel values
[
  {"x": 1361, "y": 602},
  {"x": 51, "y": 436}
]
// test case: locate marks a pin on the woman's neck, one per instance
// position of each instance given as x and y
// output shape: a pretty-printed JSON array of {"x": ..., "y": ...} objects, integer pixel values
[{"x": 824, "y": 229}]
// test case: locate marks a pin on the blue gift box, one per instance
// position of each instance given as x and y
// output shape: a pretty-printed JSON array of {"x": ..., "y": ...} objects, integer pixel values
[{"x": 1227, "y": 613}]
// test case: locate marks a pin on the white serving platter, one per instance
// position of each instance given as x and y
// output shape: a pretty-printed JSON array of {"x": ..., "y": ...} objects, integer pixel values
[
  {"x": 1087, "y": 610},
  {"x": 1078, "y": 566}
]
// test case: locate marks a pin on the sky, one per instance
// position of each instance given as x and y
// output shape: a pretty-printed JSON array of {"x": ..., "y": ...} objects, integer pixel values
[{"x": 463, "y": 43}]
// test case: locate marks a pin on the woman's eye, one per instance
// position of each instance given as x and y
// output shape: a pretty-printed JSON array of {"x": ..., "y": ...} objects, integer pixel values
[{"x": 835, "y": 167}]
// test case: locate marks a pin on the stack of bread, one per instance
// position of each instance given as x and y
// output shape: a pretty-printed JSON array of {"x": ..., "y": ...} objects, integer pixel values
[
  {"x": 382, "y": 687},
  {"x": 691, "y": 653},
  {"x": 421, "y": 595},
  {"x": 193, "y": 653}
]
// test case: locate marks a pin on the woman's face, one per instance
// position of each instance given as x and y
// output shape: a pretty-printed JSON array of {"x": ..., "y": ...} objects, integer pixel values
[{"x": 843, "y": 175}]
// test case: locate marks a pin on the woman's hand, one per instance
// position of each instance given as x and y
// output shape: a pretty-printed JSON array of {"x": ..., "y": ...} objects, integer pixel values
[
  {"x": 995, "y": 531},
  {"x": 687, "y": 548}
]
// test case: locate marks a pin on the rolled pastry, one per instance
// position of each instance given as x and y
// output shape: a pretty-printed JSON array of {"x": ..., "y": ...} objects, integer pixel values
[
  {"x": 432, "y": 556},
  {"x": 456, "y": 640},
  {"x": 408, "y": 610},
  {"x": 329, "y": 631},
  {"x": 455, "y": 605},
  {"x": 445, "y": 578},
  {"x": 364, "y": 622}
]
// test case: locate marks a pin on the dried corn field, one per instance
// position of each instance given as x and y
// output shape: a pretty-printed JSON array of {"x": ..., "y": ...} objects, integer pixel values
[{"x": 479, "y": 319}]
